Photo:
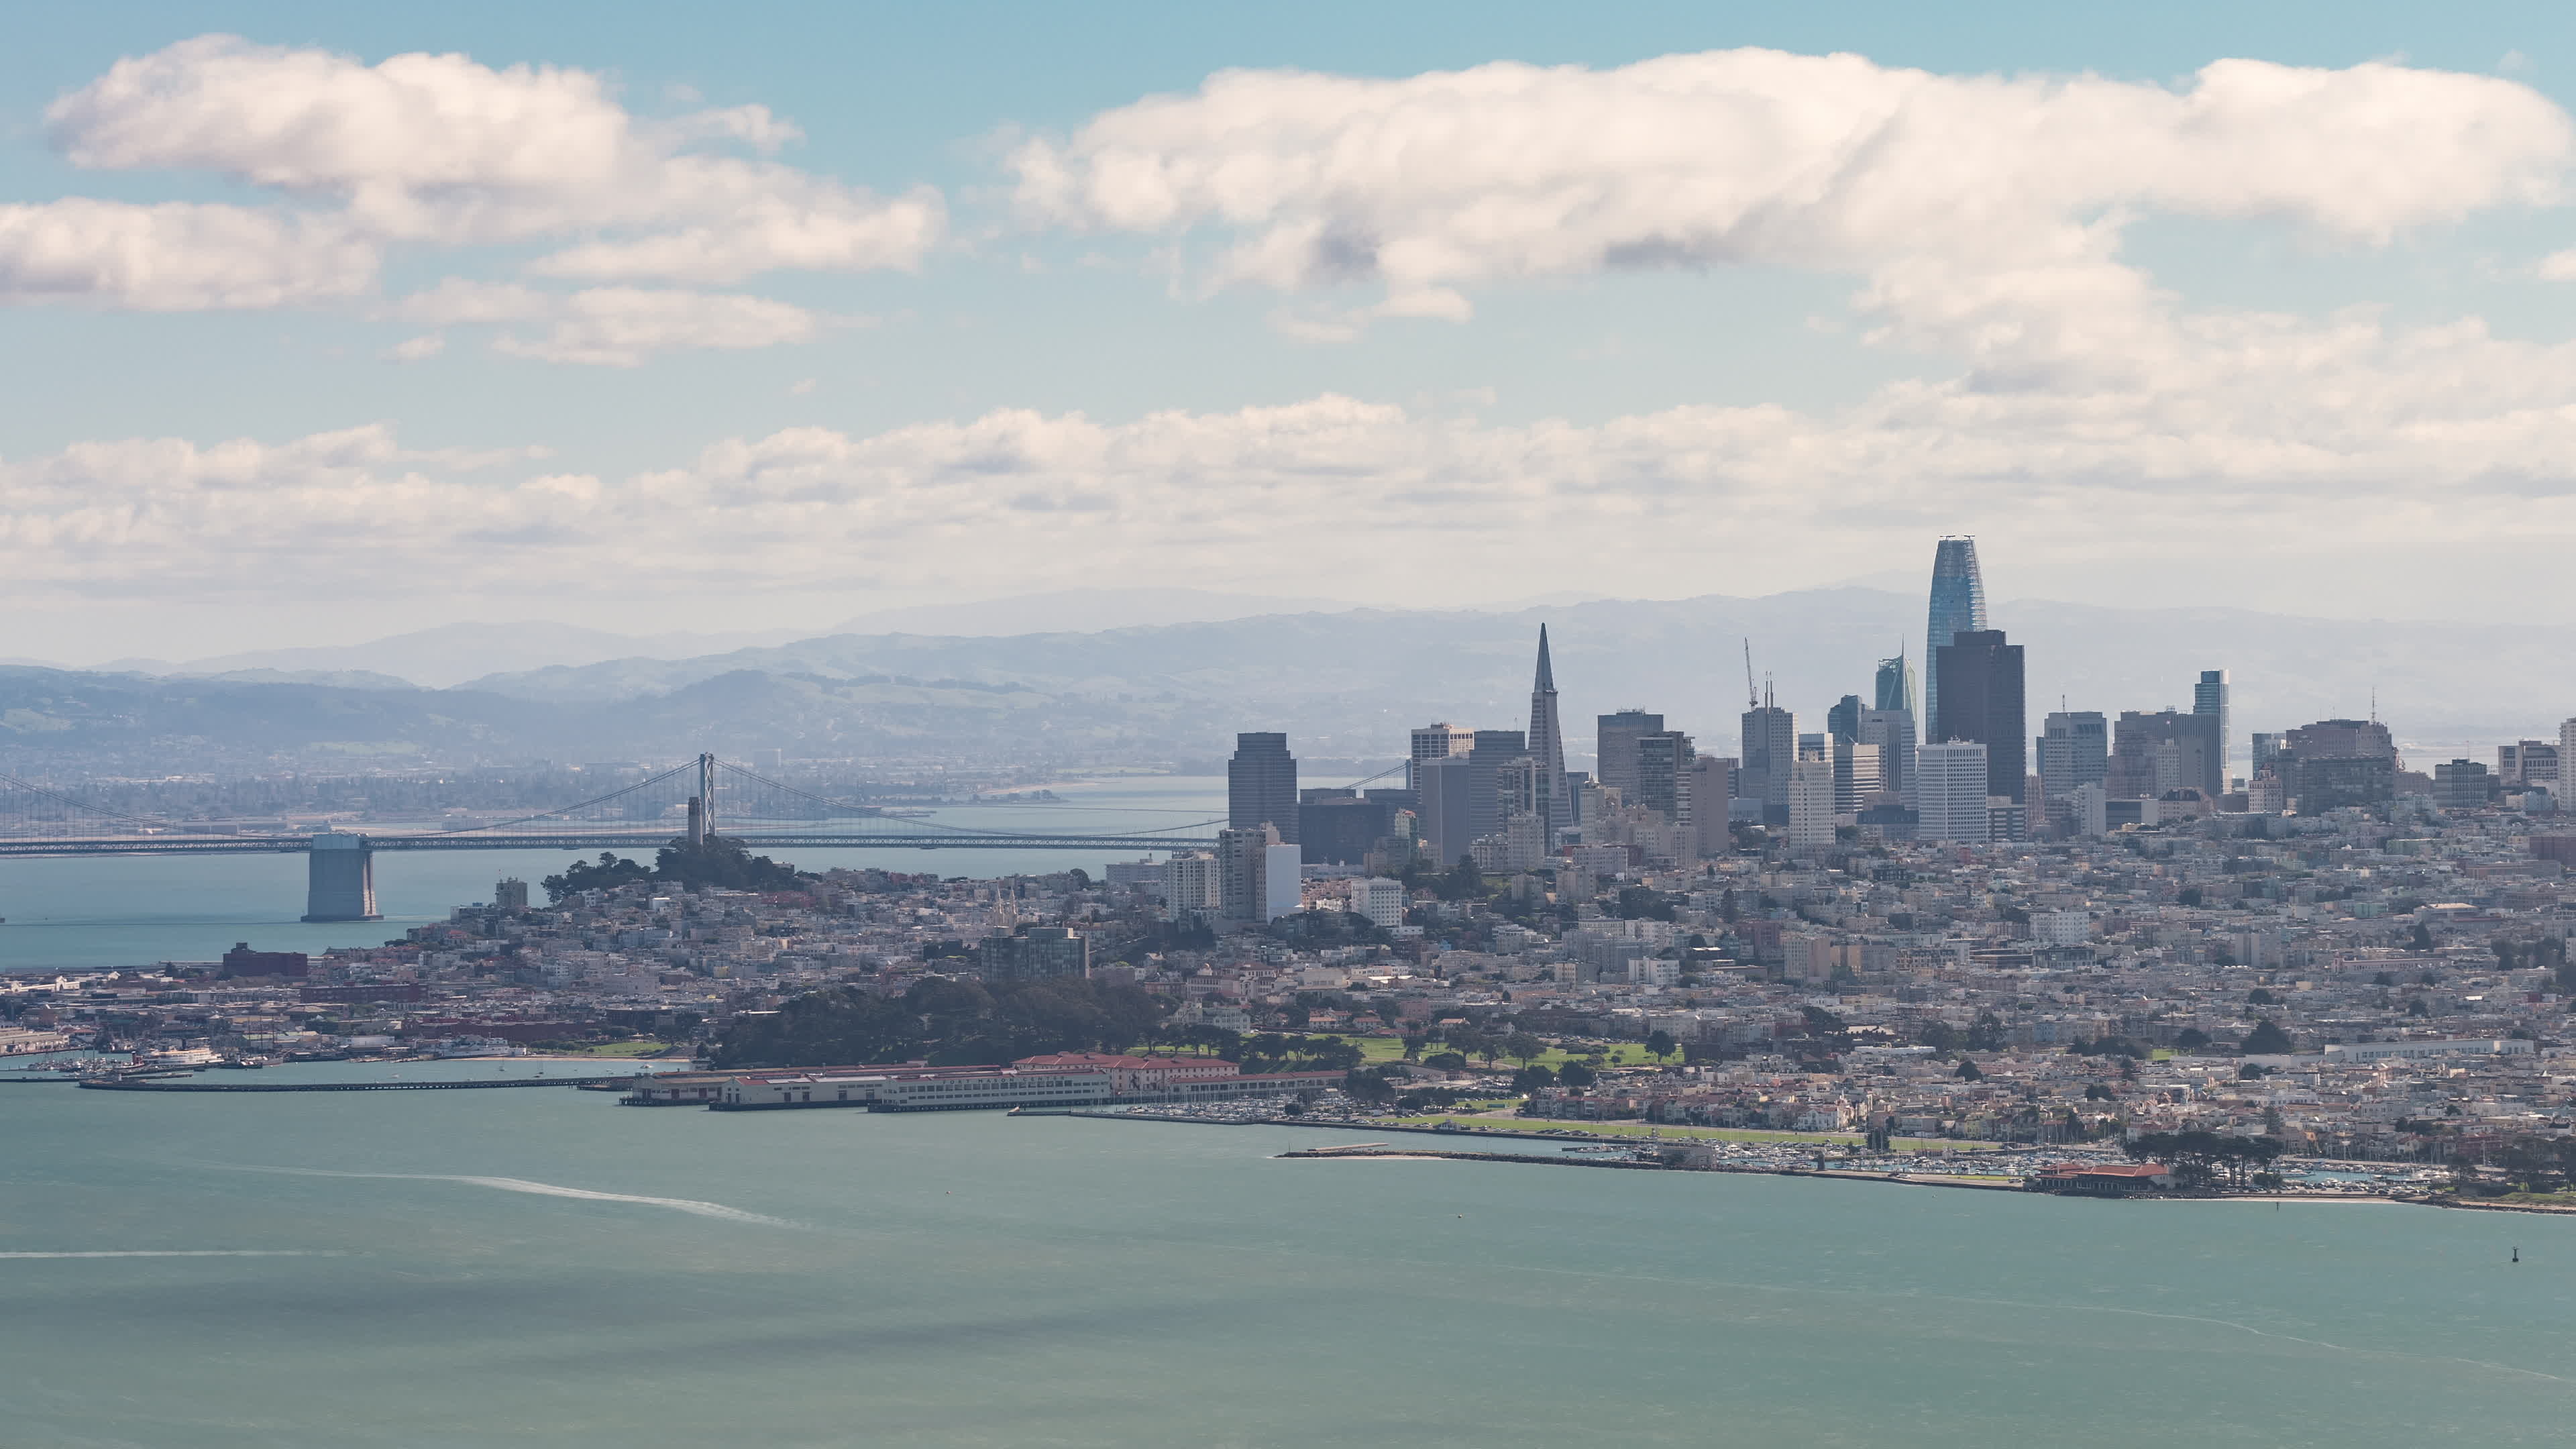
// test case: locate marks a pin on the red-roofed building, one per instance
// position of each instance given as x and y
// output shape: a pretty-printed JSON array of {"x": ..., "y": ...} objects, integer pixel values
[
  {"x": 2092, "y": 1179},
  {"x": 1134, "y": 1075}
]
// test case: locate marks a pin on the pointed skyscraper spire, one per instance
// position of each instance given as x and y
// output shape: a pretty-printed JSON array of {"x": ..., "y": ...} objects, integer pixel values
[{"x": 1547, "y": 745}]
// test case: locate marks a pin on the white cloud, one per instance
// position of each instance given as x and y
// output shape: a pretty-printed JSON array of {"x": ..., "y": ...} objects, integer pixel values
[
  {"x": 621, "y": 326},
  {"x": 435, "y": 150},
  {"x": 418, "y": 349},
  {"x": 2348, "y": 468},
  {"x": 2558, "y": 266},
  {"x": 1985, "y": 212},
  {"x": 176, "y": 256},
  {"x": 612, "y": 326}
]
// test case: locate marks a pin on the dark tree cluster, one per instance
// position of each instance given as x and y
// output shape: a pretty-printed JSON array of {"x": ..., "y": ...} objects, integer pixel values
[
  {"x": 944, "y": 1021},
  {"x": 725, "y": 864},
  {"x": 2198, "y": 1156}
]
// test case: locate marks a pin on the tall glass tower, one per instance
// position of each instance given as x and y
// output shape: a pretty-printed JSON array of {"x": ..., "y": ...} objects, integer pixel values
[
  {"x": 1895, "y": 689},
  {"x": 1958, "y": 606}
]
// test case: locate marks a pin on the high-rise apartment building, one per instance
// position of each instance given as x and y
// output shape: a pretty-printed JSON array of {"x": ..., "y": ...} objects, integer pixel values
[
  {"x": 2566, "y": 791},
  {"x": 1616, "y": 740},
  {"x": 1895, "y": 685},
  {"x": 1191, "y": 886},
  {"x": 1244, "y": 871},
  {"x": 1981, "y": 703},
  {"x": 1770, "y": 747},
  {"x": 2266, "y": 748},
  {"x": 1958, "y": 607},
  {"x": 1555, "y": 806},
  {"x": 2209, "y": 697},
  {"x": 1950, "y": 793},
  {"x": 1261, "y": 784},
  {"x": 1811, "y": 801},
  {"x": 1436, "y": 742}
]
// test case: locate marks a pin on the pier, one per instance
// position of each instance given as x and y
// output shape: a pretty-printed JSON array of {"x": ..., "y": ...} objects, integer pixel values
[{"x": 110, "y": 1085}]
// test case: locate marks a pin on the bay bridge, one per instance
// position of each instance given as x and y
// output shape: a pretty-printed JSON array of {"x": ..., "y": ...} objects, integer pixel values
[{"x": 759, "y": 814}]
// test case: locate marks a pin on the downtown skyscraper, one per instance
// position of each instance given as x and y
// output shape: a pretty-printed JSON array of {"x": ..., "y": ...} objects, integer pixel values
[
  {"x": 1958, "y": 606},
  {"x": 1555, "y": 805}
]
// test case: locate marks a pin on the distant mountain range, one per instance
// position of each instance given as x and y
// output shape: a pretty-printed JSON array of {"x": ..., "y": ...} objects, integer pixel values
[{"x": 1344, "y": 683}]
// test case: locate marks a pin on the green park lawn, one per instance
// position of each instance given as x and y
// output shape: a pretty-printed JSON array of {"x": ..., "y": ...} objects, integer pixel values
[{"x": 612, "y": 1049}]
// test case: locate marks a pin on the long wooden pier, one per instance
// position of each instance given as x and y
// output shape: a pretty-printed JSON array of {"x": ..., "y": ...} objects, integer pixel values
[{"x": 109, "y": 1085}]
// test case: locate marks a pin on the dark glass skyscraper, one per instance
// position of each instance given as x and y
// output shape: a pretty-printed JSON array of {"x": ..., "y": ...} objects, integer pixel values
[
  {"x": 1843, "y": 720},
  {"x": 1895, "y": 683},
  {"x": 1958, "y": 605},
  {"x": 1261, "y": 785},
  {"x": 1981, "y": 703}
]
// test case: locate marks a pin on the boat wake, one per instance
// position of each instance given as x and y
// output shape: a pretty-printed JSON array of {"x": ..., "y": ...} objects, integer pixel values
[
  {"x": 692, "y": 1206},
  {"x": 188, "y": 1253}
]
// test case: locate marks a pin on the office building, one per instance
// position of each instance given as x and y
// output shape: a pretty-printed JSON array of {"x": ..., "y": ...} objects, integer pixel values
[
  {"x": 1842, "y": 721},
  {"x": 1616, "y": 743},
  {"x": 1341, "y": 826},
  {"x": 1770, "y": 747},
  {"x": 2266, "y": 748},
  {"x": 510, "y": 894},
  {"x": 1892, "y": 731},
  {"x": 1555, "y": 803},
  {"x": 1446, "y": 816},
  {"x": 2209, "y": 697},
  {"x": 1712, "y": 791},
  {"x": 2074, "y": 751},
  {"x": 1261, "y": 784},
  {"x": 1958, "y": 607},
  {"x": 2528, "y": 762},
  {"x": 1981, "y": 703},
  {"x": 1435, "y": 742},
  {"x": 1895, "y": 684},
  {"x": 1493, "y": 763},
  {"x": 1951, "y": 793},
  {"x": 2463, "y": 785},
  {"x": 2566, "y": 791},
  {"x": 1858, "y": 778},
  {"x": 1664, "y": 767},
  {"x": 2153, "y": 755},
  {"x": 2336, "y": 764}
]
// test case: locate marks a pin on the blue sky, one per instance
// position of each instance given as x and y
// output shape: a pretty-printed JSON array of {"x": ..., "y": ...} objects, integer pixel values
[{"x": 969, "y": 416}]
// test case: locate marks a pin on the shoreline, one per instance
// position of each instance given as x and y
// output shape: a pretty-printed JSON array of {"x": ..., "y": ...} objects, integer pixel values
[{"x": 1900, "y": 1179}]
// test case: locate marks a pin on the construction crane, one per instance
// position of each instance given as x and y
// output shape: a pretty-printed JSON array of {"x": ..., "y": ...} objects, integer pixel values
[{"x": 1752, "y": 696}]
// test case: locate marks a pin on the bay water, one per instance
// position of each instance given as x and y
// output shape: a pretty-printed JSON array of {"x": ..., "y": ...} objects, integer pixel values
[
  {"x": 111, "y": 911},
  {"x": 548, "y": 1267}
]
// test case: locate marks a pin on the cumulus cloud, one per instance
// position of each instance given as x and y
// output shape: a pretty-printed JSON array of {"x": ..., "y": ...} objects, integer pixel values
[
  {"x": 611, "y": 326},
  {"x": 1985, "y": 212},
  {"x": 622, "y": 326},
  {"x": 177, "y": 256},
  {"x": 429, "y": 150},
  {"x": 2299, "y": 448},
  {"x": 442, "y": 148}
]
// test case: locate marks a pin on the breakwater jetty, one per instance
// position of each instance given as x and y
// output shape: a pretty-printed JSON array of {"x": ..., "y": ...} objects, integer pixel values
[{"x": 110, "y": 1085}]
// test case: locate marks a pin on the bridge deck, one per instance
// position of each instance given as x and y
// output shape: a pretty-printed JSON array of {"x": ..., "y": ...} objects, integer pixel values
[{"x": 28, "y": 847}]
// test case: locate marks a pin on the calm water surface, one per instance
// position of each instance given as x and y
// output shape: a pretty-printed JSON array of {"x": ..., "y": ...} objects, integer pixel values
[
  {"x": 467, "y": 1268},
  {"x": 136, "y": 910}
]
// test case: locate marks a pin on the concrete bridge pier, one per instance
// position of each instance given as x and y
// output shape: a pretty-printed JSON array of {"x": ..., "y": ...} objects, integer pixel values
[{"x": 341, "y": 884}]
